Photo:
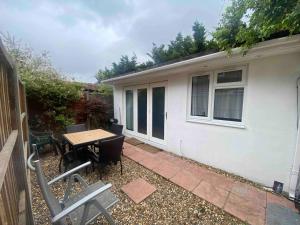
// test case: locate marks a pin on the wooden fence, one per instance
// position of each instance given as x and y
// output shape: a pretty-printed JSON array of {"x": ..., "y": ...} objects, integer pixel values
[{"x": 15, "y": 197}]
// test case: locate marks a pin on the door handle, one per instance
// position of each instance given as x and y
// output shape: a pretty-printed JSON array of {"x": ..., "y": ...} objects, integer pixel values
[{"x": 166, "y": 115}]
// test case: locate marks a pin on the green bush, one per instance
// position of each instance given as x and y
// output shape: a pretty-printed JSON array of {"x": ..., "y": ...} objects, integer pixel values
[{"x": 49, "y": 94}]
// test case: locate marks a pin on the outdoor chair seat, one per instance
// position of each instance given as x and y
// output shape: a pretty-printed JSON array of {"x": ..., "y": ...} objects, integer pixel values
[
  {"x": 106, "y": 199},
  {"x": 79, "y": 207}
]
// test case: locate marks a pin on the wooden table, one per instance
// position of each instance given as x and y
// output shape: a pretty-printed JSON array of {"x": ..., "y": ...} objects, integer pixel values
[{"x": 87, "y": 137}]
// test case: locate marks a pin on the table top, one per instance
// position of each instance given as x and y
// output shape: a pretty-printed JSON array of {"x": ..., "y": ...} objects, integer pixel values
[{"x": 89, "y": 136}]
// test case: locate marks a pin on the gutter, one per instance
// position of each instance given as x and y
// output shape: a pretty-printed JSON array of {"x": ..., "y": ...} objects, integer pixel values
[{"x": 272, "y": 45}]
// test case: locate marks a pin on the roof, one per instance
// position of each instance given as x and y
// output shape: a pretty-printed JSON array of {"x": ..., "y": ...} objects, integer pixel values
[{"x": 273, "y": 47}]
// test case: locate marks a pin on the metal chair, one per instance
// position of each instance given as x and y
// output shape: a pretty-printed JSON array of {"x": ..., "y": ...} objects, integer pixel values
[
  {"x": 67, "y": 158},
  {"x": 41, "y": 139},
  {"x": 110, "y": 152},
  {"x": 80, "y": 208},
  {"x": 76, "y": 128}
]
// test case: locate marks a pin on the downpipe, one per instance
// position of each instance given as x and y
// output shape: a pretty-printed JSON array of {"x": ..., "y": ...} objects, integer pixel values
[{"x": 294, "y": 175}]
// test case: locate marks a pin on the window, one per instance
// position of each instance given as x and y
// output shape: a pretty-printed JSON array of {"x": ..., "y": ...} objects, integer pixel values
[
  {"x": 230, "y": 76},
  {"x": 227, "y": 96},
  {"x": 229, "y": 104},
  {"x": 200, "y": 91}
]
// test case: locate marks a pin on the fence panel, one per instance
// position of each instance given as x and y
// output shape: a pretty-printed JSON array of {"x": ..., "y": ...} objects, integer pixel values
[{"x": 15, "y": 197}]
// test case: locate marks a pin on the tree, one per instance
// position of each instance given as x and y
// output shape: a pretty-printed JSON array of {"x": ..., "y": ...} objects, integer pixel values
[
  {"x": 158, "y": 54},
  {"x": 104, "y": 74},
  {"x": 230, "y": 25},
  {"x": 199, "y": 36},
  {"x": 266, "y": 20},
  {"x": 125, "y": 65}
]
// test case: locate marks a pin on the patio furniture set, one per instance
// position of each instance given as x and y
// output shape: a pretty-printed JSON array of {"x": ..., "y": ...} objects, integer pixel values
[{"x": 79, "y": 148}]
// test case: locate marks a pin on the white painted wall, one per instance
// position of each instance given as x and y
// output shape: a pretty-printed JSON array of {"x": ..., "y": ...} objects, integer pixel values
[{"x": 263, "y": 151}]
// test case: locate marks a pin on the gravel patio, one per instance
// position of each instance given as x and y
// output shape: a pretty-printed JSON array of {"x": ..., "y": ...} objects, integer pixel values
[
  {"x": 169, "y": 204},
  {"x": 186, "y": 193}
]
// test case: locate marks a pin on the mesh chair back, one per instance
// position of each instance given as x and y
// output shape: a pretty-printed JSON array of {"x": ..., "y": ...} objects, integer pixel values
[
  {"x": 76, "y": 128},
  {"x": 50, "y": 199},
  {"x": 116, "y": 129},
  {"x": 111, "y": 149}
]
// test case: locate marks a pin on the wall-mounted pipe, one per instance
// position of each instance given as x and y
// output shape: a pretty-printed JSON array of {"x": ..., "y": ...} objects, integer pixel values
[{"x": 294, "y": 175}]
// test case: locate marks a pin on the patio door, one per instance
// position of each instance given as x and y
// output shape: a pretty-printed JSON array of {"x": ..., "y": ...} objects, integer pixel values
[
  {"x": 142, "y": 111},
  {"x": 145, "y": 111},
  {"x": 158, "y": 113}
]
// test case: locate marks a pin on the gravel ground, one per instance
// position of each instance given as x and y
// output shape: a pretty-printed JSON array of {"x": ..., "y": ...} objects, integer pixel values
[{"x": 170, "y": 204}]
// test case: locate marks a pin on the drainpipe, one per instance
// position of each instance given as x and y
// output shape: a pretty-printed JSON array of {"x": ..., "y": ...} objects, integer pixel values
[{"x": 294, "y": 176}]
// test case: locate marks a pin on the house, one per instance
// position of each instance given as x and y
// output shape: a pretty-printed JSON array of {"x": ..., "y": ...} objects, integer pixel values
[{"x": 238, "y": 113}]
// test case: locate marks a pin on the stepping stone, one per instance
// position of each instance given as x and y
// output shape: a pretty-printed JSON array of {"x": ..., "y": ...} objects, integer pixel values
[{"x": 138, "y": 190}]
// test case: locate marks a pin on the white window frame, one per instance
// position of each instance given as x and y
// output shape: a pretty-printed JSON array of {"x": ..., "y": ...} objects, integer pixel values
[
  {"x": 189, "y": 109},
  {"x": 213, "y": 85},
  {"x": 134, "y": 109}
]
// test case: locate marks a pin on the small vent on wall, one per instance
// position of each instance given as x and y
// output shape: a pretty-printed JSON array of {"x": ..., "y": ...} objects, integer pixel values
[{"x": 277, "y": 187}]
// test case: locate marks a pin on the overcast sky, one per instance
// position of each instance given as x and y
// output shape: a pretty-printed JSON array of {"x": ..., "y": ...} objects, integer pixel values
[{"x": 83, "y": 36}]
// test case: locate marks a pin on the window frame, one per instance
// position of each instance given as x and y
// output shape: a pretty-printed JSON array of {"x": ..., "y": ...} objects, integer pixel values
[
  {"x": 210, "y": 79},
  {"x": 134, "y": 109},
  {"x": 213, "y": 85}
]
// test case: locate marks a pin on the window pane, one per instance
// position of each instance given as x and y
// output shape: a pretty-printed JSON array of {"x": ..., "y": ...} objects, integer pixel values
[
  {"x": 158, "y": 112},
  {"x": 229, "y": 104},
  {"x": 142, "y": 111},
  {"x": 230, "y": 76},
  {"x": 199, "y": 101},
  {"x": 129, "y": 110}
]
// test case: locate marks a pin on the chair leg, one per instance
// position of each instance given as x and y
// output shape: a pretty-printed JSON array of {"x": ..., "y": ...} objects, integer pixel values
[{"x": 59, "y": 165}]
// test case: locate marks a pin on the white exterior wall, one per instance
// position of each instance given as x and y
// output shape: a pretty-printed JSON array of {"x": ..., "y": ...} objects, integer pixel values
[{"x": 263, "y": 150}]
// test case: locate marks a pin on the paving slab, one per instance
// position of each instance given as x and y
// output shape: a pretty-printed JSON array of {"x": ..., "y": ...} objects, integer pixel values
[
  {"x": 151, "y": 162},
  {"x": 138, "y": 190},
  {"x": 210, "y": 193},
  {"x": 220, "y": 181},
  {"x": 272, "y": 198},
  {"x": 242, "y": 200},
  {"x": 250, "y": 193},
  {"x": 167, "y": 169},
  {"x": 280, "y": 215},
  {"x": 138, "y": 156},
  {"x": 186, "y": 180},
  {"x": 245, "y": 209}
]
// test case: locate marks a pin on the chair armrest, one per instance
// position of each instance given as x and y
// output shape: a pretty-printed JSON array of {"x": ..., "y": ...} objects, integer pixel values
[
  {"x": 70, "y": 172},
  {"x": 79, "y": 203}
]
